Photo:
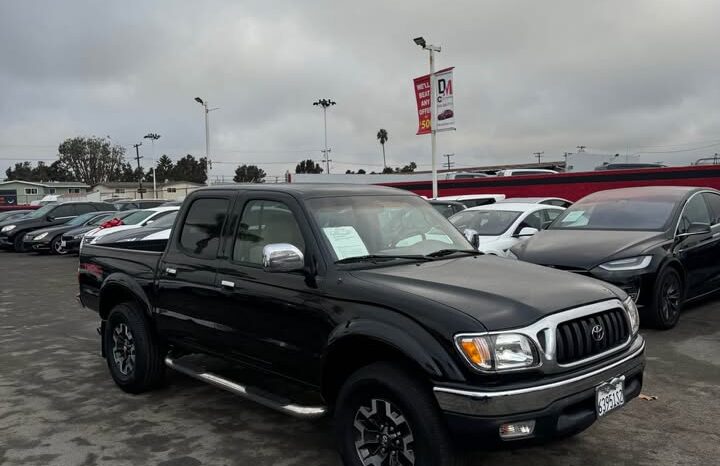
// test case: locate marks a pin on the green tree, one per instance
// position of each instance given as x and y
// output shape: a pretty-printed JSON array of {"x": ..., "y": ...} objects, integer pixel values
[
  {"x": 22, "y": 171},
  {"x": 308, "y": 166},
  {"x": 163, "y": 170},
  {"x": 91, "y": 160},
  {"x": 382, "y": 136},
  {"x": 249, "y": 174},
  {"x": 190, "y": 169},
  {"x": 407, "y": 168},
  {"x": 388, "y": 170}
]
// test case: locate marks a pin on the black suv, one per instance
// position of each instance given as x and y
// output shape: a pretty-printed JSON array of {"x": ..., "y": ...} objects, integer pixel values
[{"x": 12, "y": 232}]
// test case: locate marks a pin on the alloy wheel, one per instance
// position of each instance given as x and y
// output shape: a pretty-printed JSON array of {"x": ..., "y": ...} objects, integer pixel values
[
  {"x": 383, "y": 436},
  {"x": 670, "y": 298},
  {"x": 123, "y": 349}
]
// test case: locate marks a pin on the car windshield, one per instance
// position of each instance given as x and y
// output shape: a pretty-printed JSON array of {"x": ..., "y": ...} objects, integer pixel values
[
  {"x": 137, "y": 217},
  {"x": 485, "y": 222},
  {"x": 641, "y": 214},
  {"x": 42, "y": 211},
  {"x": 164, "y": 222},
  {"x": 81, "y": 219},
  {"x": 384, "y": 226},
  {"x": 100, "y": 220}
]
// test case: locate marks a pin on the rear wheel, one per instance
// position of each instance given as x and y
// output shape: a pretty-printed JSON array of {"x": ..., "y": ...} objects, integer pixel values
[
  {"x": 667, "y": 299},
  {"x": 387, "y": 417},
  {"x": 134, "y": 355}
]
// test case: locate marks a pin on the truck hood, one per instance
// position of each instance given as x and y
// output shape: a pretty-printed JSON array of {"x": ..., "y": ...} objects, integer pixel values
[
  {"x": 499, "y": 293},
  {"x": 583, "y": 250}
]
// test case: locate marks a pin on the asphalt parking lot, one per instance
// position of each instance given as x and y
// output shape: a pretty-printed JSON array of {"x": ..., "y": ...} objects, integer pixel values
[{"x": 59, "y": 406}]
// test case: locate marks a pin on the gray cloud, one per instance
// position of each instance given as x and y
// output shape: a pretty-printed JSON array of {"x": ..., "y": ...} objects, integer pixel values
[{"x": 530, "y": 76}]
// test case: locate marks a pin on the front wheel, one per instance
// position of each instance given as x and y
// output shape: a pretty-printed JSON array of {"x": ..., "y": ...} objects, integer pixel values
[
  {"x": 387, "y": 417},
  {"x": 56, "y": 247},
  {"x": 667, "y": 299},
  {"x": 18, "y": 243},
  {"x": 134, "y": 355}
]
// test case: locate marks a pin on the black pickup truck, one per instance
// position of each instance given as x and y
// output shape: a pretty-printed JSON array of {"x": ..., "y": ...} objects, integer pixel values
[{"x": 366, "y": 303}]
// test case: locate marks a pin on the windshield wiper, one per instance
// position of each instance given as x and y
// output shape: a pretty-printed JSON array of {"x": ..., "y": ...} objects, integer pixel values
[
  {"x": 447, "y": 252},
  {"x": 378, "y": 257}
]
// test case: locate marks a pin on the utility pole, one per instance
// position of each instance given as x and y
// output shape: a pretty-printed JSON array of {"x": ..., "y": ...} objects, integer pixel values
[
  {"x": 449, "y": 164},
  {"x": 581, "y": 148},
  {"x": 538, "y": 155},
  {"x": 325, "y": 103},
  {"x": 566, "y": 154},
  {"x": 137, "y": 157},
  {"x": 153, "y": 137}
]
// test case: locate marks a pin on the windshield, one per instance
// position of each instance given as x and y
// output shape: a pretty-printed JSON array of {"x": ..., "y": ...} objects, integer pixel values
[
  {"x": 81, "y": 219},
  {"x": 100, "y": 220},
  {"x": 384, "y": 226},
  {"x": 485, "y": 222},
  {"x": 643, "y": 214},
  {"x": 41, "y": 212},
  {"x": 137, "y": 217},
  {"x": 164, "y": 222}
]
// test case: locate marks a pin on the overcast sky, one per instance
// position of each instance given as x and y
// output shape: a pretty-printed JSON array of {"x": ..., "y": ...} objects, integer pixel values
[{"x": 615, "y": 76}]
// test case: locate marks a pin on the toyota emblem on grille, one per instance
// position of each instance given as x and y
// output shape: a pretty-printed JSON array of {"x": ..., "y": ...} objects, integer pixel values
[{"x": 598, "y": 332}]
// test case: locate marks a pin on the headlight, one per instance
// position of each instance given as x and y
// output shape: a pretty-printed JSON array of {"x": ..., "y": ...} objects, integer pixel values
[
  {"x": 41, "y": 236},
  {"x": 500, "y": 352},
  {"x": 7, "y": 228},
  {"x": 633, "y": 315},
  {"x": 631, "y": 263},
  {"x": 78, "y": 236}
]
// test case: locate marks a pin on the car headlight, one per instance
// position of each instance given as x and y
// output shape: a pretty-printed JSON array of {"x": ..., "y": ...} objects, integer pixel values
[
  {"x": 78, "y": 236},
  {"x": 40, "y": 236},
  {"x": 633, "y": 315},
  {"x": 501, "y": 352},
  {"x": 7, "y": 228},
  {"x": 631, "y": 263}
]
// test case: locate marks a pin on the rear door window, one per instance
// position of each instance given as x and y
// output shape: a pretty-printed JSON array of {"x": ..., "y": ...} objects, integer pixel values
[
  {"x": 201, "y": 231},
  {"x": 63, "y": 211}
]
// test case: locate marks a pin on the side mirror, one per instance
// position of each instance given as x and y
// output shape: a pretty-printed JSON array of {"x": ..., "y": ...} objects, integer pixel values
[
  {"x": 697, "y": 229},
  {"x": 527, "y": 231},
  {"x": 50, "y": 218},
  {"x": 282, "y": 257},
  {"x": 473, "y": 236}
]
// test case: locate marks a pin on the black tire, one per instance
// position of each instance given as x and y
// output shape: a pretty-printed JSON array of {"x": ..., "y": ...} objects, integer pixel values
[
  {"x": 18, "y": 242},
  {"x": 128, "y": 333},
  {"x": 416, "y": 428},
  {"x": 55, "y": 247},
  {"x": 667, "y": 298}
]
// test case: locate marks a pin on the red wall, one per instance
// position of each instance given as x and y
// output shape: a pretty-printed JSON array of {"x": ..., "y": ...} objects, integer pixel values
[{"x": 571, "y": 186}]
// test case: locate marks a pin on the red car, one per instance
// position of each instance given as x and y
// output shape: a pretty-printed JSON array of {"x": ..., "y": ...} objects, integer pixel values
[{"x": 445, "y": 115}]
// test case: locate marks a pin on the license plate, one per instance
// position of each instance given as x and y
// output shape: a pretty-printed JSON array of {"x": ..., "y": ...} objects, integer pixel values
[
  {"x": 610, "y": 396},
  {"x": 63, "y": 244}
]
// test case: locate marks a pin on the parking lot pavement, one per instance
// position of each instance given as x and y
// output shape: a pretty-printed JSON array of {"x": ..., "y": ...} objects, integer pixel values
[{"x": 59, "y": 406}]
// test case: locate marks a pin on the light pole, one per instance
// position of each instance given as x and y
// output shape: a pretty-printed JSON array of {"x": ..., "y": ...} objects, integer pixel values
[
  {"x": 325, "y": 103},
  {"x": 208, "y": 168},
  {"x": 433, "y": 108},
  {"x": 153, "y": 137}
]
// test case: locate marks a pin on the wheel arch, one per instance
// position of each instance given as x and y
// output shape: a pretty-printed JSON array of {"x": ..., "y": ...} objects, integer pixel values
[{"x": 118, "y": 289}]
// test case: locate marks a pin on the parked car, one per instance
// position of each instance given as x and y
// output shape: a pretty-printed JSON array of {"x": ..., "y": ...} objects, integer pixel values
[
  {"x": 12, "y": 214},
  {"x": 447, "y": 208},
  {"x": 429, "y": 342},
  {"x": 137, "y": 219},
  {"x": 660, "y": 244},
  {"x": 526, "y": 171},
  {"x": 158, "y": 230},
  {"x": 133, "y": 204},
  {"x": 50, "y": 239},
  {"x": 493, "y": 229},
  {"x": 12, "y": 232},
  {"x": 70, "y": 240},
  {"x": 473, "y": 200},
  {"x": 557, "y": 201}
]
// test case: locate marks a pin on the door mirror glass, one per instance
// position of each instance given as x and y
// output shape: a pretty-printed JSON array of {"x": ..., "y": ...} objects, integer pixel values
[
  {"x": 50, "y": 218},
  {"x": 282, "y": 257},
  {"x": 527, "y": 231}
]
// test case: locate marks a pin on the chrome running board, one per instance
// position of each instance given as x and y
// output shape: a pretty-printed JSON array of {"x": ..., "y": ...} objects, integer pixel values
[{"x": 254, "y": 394}]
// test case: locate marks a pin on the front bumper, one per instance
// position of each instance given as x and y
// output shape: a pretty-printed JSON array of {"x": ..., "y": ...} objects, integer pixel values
[
  {"x": 6, "y": 242},
  {"x": 36, "y": 245},
  {"x": 559, "y": 407}
]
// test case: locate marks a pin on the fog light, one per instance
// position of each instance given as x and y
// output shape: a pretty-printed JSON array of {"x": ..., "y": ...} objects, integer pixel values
[{"x": 517, "y": 430}]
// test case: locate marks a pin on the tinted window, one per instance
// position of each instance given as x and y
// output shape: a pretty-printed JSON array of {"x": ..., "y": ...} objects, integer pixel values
[
  {"x": 644, "y": 214},
  {"x": 263, "y": 223},
  {"x": 446, "y": 210},
  {"x": 85, "y": 208},
  {"x": 713, "y": 201},
  {"x": 478, "y": 202},
  {"x": 203, "y": 225},
  {"x": 67, "y": 210},
  {"x": 534, "y": 220},
  {"x": 485, "y": 222},
  {"x": 695, "y": 211},
  {"x": 137, "y": 217}
]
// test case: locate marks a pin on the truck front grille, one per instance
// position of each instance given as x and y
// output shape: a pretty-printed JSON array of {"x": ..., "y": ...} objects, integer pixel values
[{"x": 591, "y": 335}]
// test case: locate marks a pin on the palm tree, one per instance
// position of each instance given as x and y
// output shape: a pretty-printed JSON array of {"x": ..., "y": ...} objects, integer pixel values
[{"x": 382, "y": 136}]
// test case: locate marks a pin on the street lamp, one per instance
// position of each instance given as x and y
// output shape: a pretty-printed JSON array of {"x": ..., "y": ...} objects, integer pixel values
[
  {"x": 433, "y": 108},
  {"x": 208, "y": 168},
  {"x": 153, "y": 137},
  {"x": 325, "y": 103}
]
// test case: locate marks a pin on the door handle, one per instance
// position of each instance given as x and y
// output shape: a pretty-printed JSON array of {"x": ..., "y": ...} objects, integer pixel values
[
  {"x": 170, "y": 271},
  {"x": 227, "y": 284}
]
